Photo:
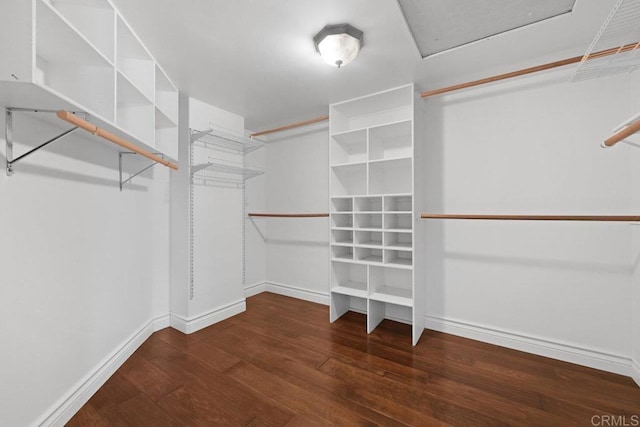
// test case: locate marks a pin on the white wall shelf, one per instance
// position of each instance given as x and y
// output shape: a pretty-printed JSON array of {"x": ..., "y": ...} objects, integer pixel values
[
  {"x": 223, "y": 171},
  {"x": 225, "y": 140},
  {"x": 372, "y": 205},
  {"x": 82, "y": 56}
]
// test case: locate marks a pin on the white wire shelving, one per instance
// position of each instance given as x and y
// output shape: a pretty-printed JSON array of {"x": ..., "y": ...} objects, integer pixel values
[
  {"x": 616, "y": 47},
  {"x": 218, "y": 170},
  {"x": 223, "y": 139}
]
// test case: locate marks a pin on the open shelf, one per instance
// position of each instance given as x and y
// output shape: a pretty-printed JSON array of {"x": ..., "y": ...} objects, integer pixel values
[
  {"x": 349, "y": 147},
  {"x": 349, "y": 180},
  {"x": 135, "y": 113},
  {"x": 391, "y": 285},
  {"x": 134, "y": 61},
  {"x": 398, "y": 204},
  {"x": 391, "y": 141},
  {"x": 166, "y": 97},
  {"x": 369, "y": 221},
  {"x": 398, "y": 221},
  {"x": 222, "y": 171},
  {"x": 384, "y": 107},
  {"x": 398, "y": 241},
  {"x": 368, "y": 254},
  {"x": 223, "y": 139},
  {"x": 342, "y": 252},
  {"x": 342, "y": 236},
  {"x": 400, "y": 258},
  {"x": 67, "y": 63},
  {"x": 369, "y": 204},
  {"x": 342, "y": 220},
  {"x": 391, "y": 176},
  {"x": 369, "y": 238},
  {"x": 341, "y": 205},
  {"x": 93, "y": 19}
]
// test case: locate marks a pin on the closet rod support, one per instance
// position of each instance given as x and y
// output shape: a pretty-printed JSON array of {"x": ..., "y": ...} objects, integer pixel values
[
  {"x": 123, "y": 182},
  {"x": 9, "y": 137}
]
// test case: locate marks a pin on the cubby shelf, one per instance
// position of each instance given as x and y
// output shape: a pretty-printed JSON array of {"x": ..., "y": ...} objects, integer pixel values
[
  {"x": 372, "y": 179},
  {"x": 82, "y": 56}
]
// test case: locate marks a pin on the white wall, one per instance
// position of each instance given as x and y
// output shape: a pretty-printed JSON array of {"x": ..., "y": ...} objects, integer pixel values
[
  {"x": 532, "y": 146},
  {"x": 297, "y": 181},
  {"x": 82, "y": 267}
]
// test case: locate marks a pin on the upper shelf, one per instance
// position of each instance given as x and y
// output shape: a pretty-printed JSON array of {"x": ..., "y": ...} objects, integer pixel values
[
  {"x": 223, "y": 171},
  {"x": 226, "y": 141}
]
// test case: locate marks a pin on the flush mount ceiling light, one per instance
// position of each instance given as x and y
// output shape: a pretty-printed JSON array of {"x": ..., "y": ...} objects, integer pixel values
[{"x": 338, "y": 44}]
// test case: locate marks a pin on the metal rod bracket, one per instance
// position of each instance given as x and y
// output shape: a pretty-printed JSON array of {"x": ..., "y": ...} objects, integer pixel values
[{"x": 122, "y": 182}]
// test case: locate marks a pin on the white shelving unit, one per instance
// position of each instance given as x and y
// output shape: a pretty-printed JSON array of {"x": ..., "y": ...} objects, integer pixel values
[
  {"x": 83, "y": 56},
  {"x": 373, "y": 205}
]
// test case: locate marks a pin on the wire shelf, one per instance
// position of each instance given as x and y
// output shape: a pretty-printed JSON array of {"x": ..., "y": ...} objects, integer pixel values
[
  {"x": 222, "y": 171},
  {"x": 226, "y": 140},
  {"x": 620, "y": 35}
]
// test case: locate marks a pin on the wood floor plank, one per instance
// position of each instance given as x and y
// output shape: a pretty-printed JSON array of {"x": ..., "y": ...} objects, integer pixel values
[{"x": 282, "y": 363}]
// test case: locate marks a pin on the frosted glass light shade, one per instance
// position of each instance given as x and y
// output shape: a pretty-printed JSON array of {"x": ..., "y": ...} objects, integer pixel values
[{"x": 338, "y": 44}]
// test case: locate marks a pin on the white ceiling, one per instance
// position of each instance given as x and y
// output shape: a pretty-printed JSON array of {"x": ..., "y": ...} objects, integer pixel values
[{"x": 256, "y": 57}]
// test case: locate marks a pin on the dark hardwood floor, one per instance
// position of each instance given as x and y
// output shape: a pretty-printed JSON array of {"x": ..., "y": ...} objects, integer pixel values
[{"x": 283, "y": 363}]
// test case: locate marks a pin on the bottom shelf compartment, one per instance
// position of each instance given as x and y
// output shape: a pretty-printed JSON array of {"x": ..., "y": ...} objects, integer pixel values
[
  {"x": 391, "y": 285},
  {"x": 349, "y": 279}
]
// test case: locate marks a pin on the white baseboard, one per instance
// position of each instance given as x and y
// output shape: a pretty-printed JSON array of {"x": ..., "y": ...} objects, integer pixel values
[
  {"x": 218, "y": 314},
  {"x": 635, "y": 371},
  {"x": 296, "y": 292},
  {"x": 555, "y": 350},
  {"x": 60, "y": 413},
  {"x": 255, "y": 289}
]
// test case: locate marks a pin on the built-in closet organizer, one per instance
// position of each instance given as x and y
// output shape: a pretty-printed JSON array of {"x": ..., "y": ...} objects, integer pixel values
[
  {"x": 82, "y": 57},
  {"x": 375, "y": 194}
]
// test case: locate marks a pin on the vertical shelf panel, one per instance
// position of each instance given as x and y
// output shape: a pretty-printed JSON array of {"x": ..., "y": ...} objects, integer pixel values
[{"x": 134, "y": 62}]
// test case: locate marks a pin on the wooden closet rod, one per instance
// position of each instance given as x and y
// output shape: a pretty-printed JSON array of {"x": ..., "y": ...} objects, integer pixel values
[
  {"x": 530, "y": 70},
  {"x": 291, "y": 215},
  {"x": 607, "y": 218},
  {"x": 90, "y": 127},
  {"x": 291, "y": 126},
  {"x": 623, "y": 134}
]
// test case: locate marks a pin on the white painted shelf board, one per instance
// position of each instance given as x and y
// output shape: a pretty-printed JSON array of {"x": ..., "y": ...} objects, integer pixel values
[
  {"x": 349, "y": 167},
  {"x": 399, "y": 262},
  {"x": 342, "y": 244},
  {"x": 387, "y": 100},
  {"x": 351, "y": 137},
  {"x": 59, "y": 41},
  {"x": 342, "y": 228},
  {"x": 399, "y": 212},
  {"x": 29, "y": 95},
  {"x": 372, "y": 258},
  {"x": 390, "y": 160},
  {"x": 369, "y": 245},
  {"x": 393, "y": 295},
  {"x": 341, "y": 213},
  {"x": 408, "y": 247},
  {"x": 369, "y": 229},
  {"x": 348, "y": 257},
  {"x": 368, "y": 212},
  {"x": 356, "y": 289},
  {"x": 398, "y": 230},
  {"x": 392, "y": 124}
]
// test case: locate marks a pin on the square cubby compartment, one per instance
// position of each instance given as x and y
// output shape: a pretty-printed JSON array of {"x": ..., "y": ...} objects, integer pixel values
[
  {"x": 369, "y": 204},
  {"x": 398, "y": 257},
  {"x": 342, "y": 236},
  {"x": 390, "y": 177},
  {"x": 369, "y": 254},
  {"x": 349, "y": 279},
  {"x": 342, "y": 252},
  {"x": 369, "y": 238},
  {"x": 342, "y": 220},
  {"x": 398, "y": 221},
  {"x": 398, "y": 204},
  {"x": 398, "y": 240},
  {"x": 342, "y": 204},
  {"x": 369, "y": 221}
]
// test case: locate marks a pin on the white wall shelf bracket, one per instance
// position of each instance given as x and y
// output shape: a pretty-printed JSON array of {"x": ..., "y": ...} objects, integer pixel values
[
  {"x": 120, "y": 157},
  {"x": 8, "y": 131}
]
